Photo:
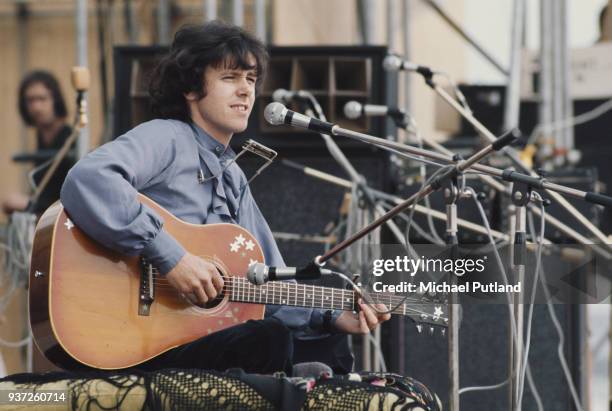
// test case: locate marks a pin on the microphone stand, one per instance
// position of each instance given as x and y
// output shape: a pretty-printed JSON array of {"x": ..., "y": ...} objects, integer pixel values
[
  {"x": 486, "y": 174},
  {"x": 521, "y": 197},
  {"x": 357, "y": 179},
  {"x": 451, "y": 195},
  {"x": 395, "y": 199},
  {"x": 459, "y": 167},
  {"x": 507, "y": 175},
  {"x": 361, "y": 184},
  {"x": 448, "y": 182},
  {"x": 407, "y": 121},
  {"x": 277, "y": 114},
  {"x": 519, "y": 251},
  {"x": 513, "y": 156}
]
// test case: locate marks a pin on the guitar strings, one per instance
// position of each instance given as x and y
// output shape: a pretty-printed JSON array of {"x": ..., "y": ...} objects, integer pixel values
[
  {"x": 247, "y": 287},
  {"x": 160, "y": 282},
  {"x": 250, "y": 290},
  {"x": 297, "y": 288},
  {"x": 411, "y": 310}
]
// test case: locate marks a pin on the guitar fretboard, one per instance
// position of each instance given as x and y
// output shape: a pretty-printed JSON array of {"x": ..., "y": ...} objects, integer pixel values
[
  {"x": 312, "y": 296},
  {"x": 285, "y": 293}
]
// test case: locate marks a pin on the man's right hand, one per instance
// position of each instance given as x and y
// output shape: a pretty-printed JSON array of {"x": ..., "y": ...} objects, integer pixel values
[{"x": 197, "y": 279}]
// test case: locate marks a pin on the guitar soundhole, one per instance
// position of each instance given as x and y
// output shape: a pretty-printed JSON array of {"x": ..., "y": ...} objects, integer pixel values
[
  {"x": 214, "y": 302},
  {"x": 219, "y": 298}
]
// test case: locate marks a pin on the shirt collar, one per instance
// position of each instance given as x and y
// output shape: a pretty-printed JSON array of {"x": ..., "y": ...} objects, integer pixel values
[{"x": 212, "y": 145}]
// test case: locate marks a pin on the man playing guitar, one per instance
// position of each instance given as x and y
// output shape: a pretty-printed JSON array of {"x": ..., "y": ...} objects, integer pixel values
[{"x": 202, "y": 93}]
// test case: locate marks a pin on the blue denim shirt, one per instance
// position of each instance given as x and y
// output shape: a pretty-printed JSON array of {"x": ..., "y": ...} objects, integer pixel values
[{"x": 162, "y": 159}]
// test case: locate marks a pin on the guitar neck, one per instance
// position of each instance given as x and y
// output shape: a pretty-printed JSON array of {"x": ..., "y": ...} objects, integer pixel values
[{"x": 310, "y": 296}]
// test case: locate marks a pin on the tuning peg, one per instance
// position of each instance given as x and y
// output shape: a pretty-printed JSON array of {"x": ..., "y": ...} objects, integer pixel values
[
  {"x": 419, "y": 328},
  {"x": 443, "y": 332},
  {"x": 431, "y": 330}
]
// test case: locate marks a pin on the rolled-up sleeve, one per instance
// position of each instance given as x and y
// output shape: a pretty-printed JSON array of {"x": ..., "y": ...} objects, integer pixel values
[{"x": 100, "y": 194}]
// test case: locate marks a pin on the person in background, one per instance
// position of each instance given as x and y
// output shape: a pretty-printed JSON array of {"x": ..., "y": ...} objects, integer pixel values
[{"x": 42, "y": 106}]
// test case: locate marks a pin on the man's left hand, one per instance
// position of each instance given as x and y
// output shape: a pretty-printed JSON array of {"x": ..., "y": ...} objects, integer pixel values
[{"x": 364, "y": 321}]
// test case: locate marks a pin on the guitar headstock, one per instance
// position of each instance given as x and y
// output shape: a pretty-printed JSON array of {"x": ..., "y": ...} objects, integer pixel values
[{"x": 428, "y": 314}]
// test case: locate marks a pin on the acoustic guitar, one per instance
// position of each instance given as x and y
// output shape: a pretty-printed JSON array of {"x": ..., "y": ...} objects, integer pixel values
[{"x": 90, "y": 306}]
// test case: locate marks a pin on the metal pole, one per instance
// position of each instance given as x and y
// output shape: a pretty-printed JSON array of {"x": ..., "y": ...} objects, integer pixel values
[
  {"x": 81, "y": 32},
  {"x": 366, "y": 354},
  {"x": 515, "y": 354},
  {"x": 406, "y": 27},
  {"x": 210, "y": 10},
  {"x": 260, "y": 19},
  {"x": 568, "y": 108},
  {"x": 81, "y": 52},
  {"x": 545, "y": 75},
  {"x": 377, "y": 366},
  {"x": 557, "y": 76},
  {"x": 391, "y": 24},
  {"x": 392, "y": 91},
  {"x": 238, "y": 12},
  {"x": 368, "y": 20},
  {"x": 451, "y": 195},
  {"x": 163, "y": 21},
  {"x": 513, "y": 97},
  {"x": 131, "y": 24},
  {"x": 23, "y": 14}
]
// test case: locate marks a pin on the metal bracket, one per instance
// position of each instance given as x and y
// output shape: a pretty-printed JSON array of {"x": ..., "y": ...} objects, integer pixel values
[{"x": 521, "y": 194}]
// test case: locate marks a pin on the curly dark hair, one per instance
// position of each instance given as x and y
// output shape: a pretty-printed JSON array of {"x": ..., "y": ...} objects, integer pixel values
[
  {"x": 194, "y": 48},
  {"x": 50, "y": 82}
]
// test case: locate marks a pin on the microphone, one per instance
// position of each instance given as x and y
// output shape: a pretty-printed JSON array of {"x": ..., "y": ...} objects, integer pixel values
[
  {"x": 80, "y": 78},
  {"x": 394, "y": 63},
  {"x": 260, "y": 273},
  {"x": 353, "y": 110},
  {"x": 281, "y": 95},
  {"x": 277, "y": 114},
  {"x": 80, "y": 81}
]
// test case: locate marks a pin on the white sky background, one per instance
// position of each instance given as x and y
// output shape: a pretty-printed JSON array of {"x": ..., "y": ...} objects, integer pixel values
[{"x": 490, "y": 23}]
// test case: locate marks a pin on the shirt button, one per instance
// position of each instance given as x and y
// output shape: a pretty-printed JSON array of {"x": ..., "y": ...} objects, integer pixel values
[{"x": 218, "y": 149}]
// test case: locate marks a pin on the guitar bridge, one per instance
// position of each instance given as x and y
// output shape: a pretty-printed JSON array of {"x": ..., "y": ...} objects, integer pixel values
[{"x": 147, "y": 288}]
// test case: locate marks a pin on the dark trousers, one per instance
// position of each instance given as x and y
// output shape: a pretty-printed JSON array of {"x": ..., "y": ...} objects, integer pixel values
[{"x": 262, "y": 346}]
